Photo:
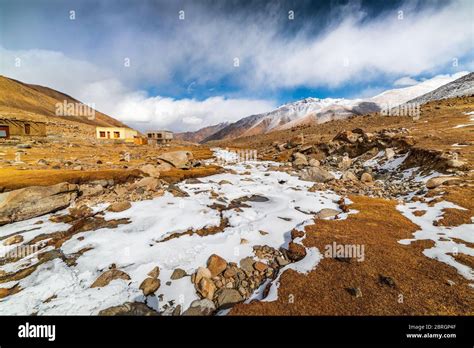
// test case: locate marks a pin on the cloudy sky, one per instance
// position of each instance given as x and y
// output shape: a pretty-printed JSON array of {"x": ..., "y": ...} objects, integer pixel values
[{"x": 183, "y": 65}]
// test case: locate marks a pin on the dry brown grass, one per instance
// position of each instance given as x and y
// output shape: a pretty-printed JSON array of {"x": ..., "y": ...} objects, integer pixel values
[{"x": 420, "y": 281}]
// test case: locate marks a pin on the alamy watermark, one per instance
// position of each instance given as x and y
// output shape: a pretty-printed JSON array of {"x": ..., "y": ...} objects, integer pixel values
[
  {"x": 75, "y": 109},
  {"x": 20, "y": 251},
  {"x": 407, "y": 109},
  {"x": 345, "y": 251}
]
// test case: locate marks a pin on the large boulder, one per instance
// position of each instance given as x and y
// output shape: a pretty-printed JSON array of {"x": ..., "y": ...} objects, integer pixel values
[
  {"x": 151, "y": 170},
  {"x": 316, "y": 174},
  {"x": 228, "y": 297},
  {"x": 129, "y": 308},
  {"x": 202, "y": 307},
  {"x": 178, "y": 159},
  {"x": 216, "y": 265},
  {"x": 35, "y": 201}
]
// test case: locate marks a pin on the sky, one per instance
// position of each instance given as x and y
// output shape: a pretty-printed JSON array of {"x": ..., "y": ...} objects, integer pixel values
[{"x": 184, "y": 65}]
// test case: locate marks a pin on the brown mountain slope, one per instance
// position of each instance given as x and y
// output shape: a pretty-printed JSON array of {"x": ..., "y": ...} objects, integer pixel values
[
  {"x": 25, "y": 101},
  {"x": 201, "y": 134}
]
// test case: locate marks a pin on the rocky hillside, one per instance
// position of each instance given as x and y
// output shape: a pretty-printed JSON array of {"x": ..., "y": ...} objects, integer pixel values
[
  {"x": 38, "y": 103},
  {"x": 201, "y": 134},
  {"x": 463, "y": 86}
]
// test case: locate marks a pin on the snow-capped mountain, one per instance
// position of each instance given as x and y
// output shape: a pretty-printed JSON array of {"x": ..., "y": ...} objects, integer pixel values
[{"x": 315, "y": 110}]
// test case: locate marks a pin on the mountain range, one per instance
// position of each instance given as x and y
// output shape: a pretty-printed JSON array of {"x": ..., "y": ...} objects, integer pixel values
[{"x": 315, "y": 110}]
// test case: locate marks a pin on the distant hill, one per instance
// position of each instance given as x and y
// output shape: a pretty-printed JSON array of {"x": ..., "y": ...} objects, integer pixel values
[
  {"x": 38, "y": 103},
  {"x": 461, "y": 87},
  {"x": 201, "y": 134}
]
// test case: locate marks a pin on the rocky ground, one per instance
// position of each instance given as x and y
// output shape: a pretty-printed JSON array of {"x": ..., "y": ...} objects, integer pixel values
[{"x": 115, "y": 230}]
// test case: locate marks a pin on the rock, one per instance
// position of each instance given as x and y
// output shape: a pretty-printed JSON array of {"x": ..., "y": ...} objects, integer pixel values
[
  {"x": 450, "y": 282},
  {"x": 260, "y": 266},
  {"x": 202, "y": 307},
  {"x": 202, "y": 272},
  {"x": 316, "y": 174},
  {"x": 299, "y": 160},
  {"x": 129, "y": 308},
  {"x": 154, "y": 273},
  {"x": 314, "y": 162},
  {"x": 347, "y": 136},
  {"x": 247, "y": 264},
  {"x": 228, "y": 297},
  {"x": 327, "y": 213},
  {"x": 13, "y": 240},
  {"x": 151, "y": 170},
  {"x": 345, "y": 163},
  {"x": 88, "y": 190},
  {"x": 178, "y": 159},
  {"x": 106, "y": 277},
  {"x": 349, "y": 176},
  {"x": 178, "y": 273},
  {"x": 296, "y": 234},
  {"x": 438, "y": 181},
  {"x": 35, "y": 201},
  {"x": 389, "y": 153},
  {"x": 42, "y": 162},
  {"x": 23, "y": 146},
  {"x": 206, "y": 288},
  {"x": 224, "y": 182},
  {"x": 387, "y": 281},
  {"x": 296, "y": 251},
  {"x": 281, "y": 261},
  {"x": 216, "y": 265},
  {"x": 356, "y": 292},
  {"x": 149, "y": 286},
  {"x": 149, "y": 183},
  {"x": 119, "y": 206},
  {"x": 366, "y": 178},
  {"x": 454, "y": 163},
  {"x": 102, "y": 182}
]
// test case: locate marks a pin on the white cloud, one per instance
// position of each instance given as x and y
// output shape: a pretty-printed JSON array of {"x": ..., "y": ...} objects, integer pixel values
[{"x": 405, "y": 81}]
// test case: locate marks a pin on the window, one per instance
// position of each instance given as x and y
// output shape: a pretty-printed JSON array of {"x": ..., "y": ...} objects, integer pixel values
[
  {"x": 116, "y": 135},
  {"x": 102, "y": 134},
  {"x": 159, "y": 135},
  {"x": 27, "y": 128},
  {"x": 150, "y": 135}
]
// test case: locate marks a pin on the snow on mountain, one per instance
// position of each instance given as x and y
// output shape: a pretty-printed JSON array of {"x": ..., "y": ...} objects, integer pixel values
[
  {"x": 399, "y": 96},
  {"x": 315, "y": 110}
]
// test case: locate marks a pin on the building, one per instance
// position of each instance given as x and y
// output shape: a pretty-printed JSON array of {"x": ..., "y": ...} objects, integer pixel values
[
  {"x": 14, "y": 127},
  {"x": 116, "y": 133},
  {"x": 159, "y": 137}
]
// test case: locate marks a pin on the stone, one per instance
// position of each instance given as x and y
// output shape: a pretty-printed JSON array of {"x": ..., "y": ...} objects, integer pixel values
[
  {"x": 356, "y": 292},
  {"x": 344, "y": 163},
  {"x": 316, "y": 174},
  {"x": 216, "y": 265},
  {"x": 438, "y": 181},
  {"x": 150, "y": 170},
  {"x": 366, "y": 178},
  {"x": 105, "y": 278},
  {"x": 33, "y": 201},
  {"x": 296, "y": 251},
  {"x": 129, "y": 308},
  {"x": 387, "y": 281},
  {"x": 224, "y": 182},
  {"x": 327, "y": 213},
  {"x": 454, "y": 163},
  {"x": 13, "y": 240},
  {"x": 282, "y": 261},
  {"x": 260, "y": 266},
  {"x": 228, "y": 297},
  {"x": 247, "y": 264},
  {"x": 347, "y": 136},
  {"x": 154, "y": 273},
  {"x": 202, "y": 272},
  {"x": 299, "y": 160},
  {"x": 314, "y": 162},
  {"x": 206, "y": 288},
  {"x": 149, "y": 286},
  {"x": 204, "y": 307},
  {"x": 119, "y": 206},
  {"x": 349, "y": 176},
  {"x": 178, "y": 159},
  {"x": 149, "y": 183},
  {"x": 91, "y": 190},
  {"x": 389, "y": 153},
  {"x": 178, "y": 273}
]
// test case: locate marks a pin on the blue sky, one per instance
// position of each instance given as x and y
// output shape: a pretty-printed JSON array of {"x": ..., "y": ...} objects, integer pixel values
[{"x": 182, "y": 72}]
